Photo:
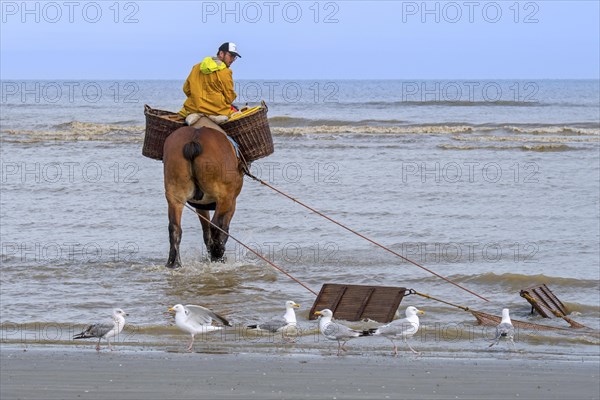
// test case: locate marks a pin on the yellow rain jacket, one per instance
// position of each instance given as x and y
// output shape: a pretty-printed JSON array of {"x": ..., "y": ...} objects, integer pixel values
[{"x": 209, "y": 89}]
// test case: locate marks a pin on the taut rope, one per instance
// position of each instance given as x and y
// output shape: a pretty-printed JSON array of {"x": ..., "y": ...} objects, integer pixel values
[
  {"x": 412, "y": 291},
  {"x": 363, "y": 236},
  {"x": 257, "y": 254}
]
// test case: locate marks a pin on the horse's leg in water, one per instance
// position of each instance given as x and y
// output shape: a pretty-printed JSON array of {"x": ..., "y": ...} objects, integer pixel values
[
  {"x": 179, "y": 185},
  {"x": 221, "y": 218},
  {"x": 175, "y": 210},
  {"x": 204, "y": 217}
]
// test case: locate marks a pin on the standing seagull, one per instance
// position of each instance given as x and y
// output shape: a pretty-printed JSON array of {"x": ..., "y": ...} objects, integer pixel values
[
  {"x": 105, "y": 330},
  {"x": 279, "y": 324},
  {"x": 336, "y": 331},
  {"x": 196, "y": 319},
  {"x": 404, "y": 328},
  {"x": 505, "y": 329}
]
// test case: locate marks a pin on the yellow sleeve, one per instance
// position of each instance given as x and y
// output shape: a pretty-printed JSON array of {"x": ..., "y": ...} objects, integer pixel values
[
  {"x": 186, "y": 85},
  {"x": 227, "y": 82}
]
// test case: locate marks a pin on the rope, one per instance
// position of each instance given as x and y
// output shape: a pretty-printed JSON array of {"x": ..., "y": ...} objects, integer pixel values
[
  {"x": 364, "y": 237},
  {"x": 257, "y": 254},
  {"x": 412, "y": 291}
]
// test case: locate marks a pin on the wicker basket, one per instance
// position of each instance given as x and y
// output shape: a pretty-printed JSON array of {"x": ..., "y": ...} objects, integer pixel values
[
  {"x": 252, "y": 133},
  {"x": 159, "y": 125}
]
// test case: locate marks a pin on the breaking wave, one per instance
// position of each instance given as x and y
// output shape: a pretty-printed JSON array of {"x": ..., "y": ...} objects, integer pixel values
[
  {"x": 521, "y": 281},
  {"x": 547, "y": 139},
  {"x": 78, "y": 131},
  {"x": 129, "y": 131},
  {"x": 543, "y": 148}
]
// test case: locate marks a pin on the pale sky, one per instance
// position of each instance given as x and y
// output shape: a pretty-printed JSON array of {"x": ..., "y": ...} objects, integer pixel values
[{"x": 302, "y": 39}]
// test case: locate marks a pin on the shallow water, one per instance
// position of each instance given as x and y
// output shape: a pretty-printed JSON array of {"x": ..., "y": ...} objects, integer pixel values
[{"x": 494, "y": 208}]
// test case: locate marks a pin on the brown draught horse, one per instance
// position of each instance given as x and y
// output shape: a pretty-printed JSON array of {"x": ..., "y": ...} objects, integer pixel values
[{"x": 201, "y": 168}]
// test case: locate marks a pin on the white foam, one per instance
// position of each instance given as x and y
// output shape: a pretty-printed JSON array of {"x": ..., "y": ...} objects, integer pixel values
[
  {"x": 339, "y": 129},
  {"x": 522, "y": 139}
]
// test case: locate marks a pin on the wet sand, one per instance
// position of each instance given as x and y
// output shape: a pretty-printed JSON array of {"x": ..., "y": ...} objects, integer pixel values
[{"x": 41, "y": 373}]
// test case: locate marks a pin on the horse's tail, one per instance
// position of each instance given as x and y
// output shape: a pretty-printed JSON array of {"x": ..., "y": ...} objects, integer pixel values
[{"x": 192, "y": 150}]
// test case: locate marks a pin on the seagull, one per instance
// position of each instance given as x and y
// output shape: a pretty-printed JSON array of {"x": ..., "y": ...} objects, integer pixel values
[
  {"x": 404, "y": 328},
  {"x": 279, "y": 324},
  {"x": 505, "y": 329},
  {"x": 336, "y": 331},
  {"x": 196, "y": 319},
  {"x": 105, "y": 330}
]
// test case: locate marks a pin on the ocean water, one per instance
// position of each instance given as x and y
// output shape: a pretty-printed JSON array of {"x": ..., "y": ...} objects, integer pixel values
[{"x": 493, "y": 184}]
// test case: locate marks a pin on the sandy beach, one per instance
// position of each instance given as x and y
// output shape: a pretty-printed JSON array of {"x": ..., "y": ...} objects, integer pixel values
[{"x": 50, "y": 373}]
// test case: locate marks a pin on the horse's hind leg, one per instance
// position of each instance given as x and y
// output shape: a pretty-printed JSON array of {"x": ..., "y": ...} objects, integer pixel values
[
  {"x": 175, "y": 210},
  {"x": 221, "y": 218},
  {"x": 204, "y": 217}
]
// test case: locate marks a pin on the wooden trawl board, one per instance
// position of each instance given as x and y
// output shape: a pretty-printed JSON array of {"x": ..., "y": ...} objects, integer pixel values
[
  {"x": 357, "y": 302},
  {"x": 544, "y": 301}
]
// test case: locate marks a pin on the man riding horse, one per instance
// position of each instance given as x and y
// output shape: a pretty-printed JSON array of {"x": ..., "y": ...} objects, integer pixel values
[{"x": 201, "y": 166}]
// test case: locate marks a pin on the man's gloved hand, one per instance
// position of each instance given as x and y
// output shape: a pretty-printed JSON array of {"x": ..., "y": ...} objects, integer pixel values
[
  {"x": 218, "y": 119},
  {"x": 192, "y": 119}
]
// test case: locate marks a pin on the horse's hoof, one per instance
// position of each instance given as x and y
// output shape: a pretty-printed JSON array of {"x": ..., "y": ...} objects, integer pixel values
[{"x": 173, "y": 265}]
